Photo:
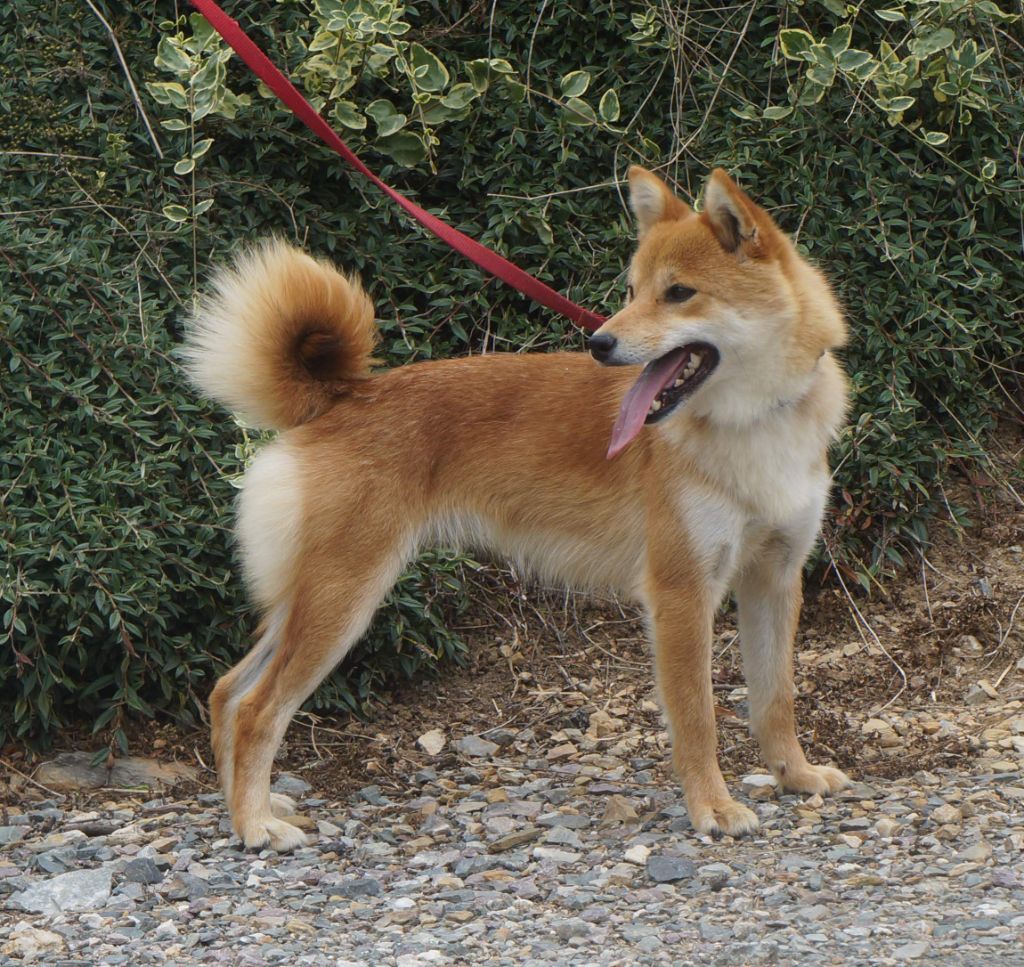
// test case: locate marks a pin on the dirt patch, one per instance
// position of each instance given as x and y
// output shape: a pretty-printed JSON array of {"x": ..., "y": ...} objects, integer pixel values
[{"x": 544, "y": 660}]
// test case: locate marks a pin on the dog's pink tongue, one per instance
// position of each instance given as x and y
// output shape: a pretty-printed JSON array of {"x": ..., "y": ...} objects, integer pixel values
[{"x": 641, "y": 395}]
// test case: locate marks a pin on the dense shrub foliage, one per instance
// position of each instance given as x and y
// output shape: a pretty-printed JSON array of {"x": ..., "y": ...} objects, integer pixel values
[{"x": 885, "y": 138}]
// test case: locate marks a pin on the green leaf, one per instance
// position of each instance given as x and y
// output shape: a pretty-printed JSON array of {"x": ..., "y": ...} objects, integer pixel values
[
  {"x": 347, "y": 114},
  {"x": 169, "y": 92},
  {"x": 777, "y": 112},
  {"x": 174, "y": 124},
  {"x": 324, "y": 40},
  {"x": 204, "y": 206},
  {"x": 579, "y": 112},
  {"x": 201, "y": 147},
  {"x": 183, "y": 167},
  {"x": 575, "y": 83},
  {"x": 428, "y": 72},
  {"x": 748, "y": 112},
  {"x": 850, "y": 60},
  {"x": 890, "y": 15},
  {"x": 176, "y": 213},
  {"x": 932, "y": 42},
  {"x": 380, "y": 109},
  {"x": 936, "y": 137},
  {"x": 988, "y": 169},
  {"x": 840, "y": 39},
  {"x": 459, "y": 96},
  {"x": 170, "y": 57},
  {"x": 609, "y": 106},
  {"x": 900, "y": 103},
  {"x": 405, "y": 147},
  {"x": 795, "y": 44},
  {"x": 391, "y": 124}
]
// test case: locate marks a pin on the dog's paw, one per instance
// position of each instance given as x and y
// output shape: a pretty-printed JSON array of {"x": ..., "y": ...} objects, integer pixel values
[
  {"x": 275, "y": 834},
  {"x": 812, "y": 779},
  {"x": 722, "y": 817},
  {"x": 281, "y": 805}
]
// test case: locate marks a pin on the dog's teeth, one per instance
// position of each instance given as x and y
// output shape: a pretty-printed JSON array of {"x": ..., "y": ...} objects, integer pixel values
[
  {"x": 655, "y": 406},
  {"x": 680, "y": 381}
]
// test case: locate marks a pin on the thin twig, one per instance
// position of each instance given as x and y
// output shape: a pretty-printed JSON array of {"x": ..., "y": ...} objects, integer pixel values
[
  {"x": 861, "y": 620},
  {"x": 128, "y": 77}
]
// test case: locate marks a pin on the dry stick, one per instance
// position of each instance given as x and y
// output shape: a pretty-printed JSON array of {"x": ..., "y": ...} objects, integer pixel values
[
  {"x": 1006, "y": 634},
  {"x": 128, "y": 77},
  {"x": 861, "y": 620},
  {"x": 52, "y": 792}
]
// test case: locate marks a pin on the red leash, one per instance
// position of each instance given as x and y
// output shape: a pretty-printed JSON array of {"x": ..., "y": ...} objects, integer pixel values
[{"x": 489, "y": 261}]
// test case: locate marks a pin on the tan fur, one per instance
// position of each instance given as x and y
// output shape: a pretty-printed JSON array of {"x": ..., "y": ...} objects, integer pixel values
[{"x": 506, "y": 454}]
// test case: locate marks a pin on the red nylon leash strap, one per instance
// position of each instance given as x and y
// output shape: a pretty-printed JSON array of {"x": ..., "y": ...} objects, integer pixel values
[{"x": 489, "y": 261}]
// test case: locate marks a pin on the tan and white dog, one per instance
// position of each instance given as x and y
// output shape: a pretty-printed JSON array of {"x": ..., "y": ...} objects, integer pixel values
[{"x": 722, "y": 484}]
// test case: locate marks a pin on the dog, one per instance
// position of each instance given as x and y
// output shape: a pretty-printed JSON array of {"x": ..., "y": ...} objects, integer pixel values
[{"x": 683, "y": 457}]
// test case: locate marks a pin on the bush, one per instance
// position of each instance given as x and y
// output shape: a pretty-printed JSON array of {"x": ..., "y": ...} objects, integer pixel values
[{"x": 879, "y": 138}]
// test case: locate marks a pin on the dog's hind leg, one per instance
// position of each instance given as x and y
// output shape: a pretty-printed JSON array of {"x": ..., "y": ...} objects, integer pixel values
[
  {"x": 334, "y": 601},
  {"x": 768, "y": 597}
]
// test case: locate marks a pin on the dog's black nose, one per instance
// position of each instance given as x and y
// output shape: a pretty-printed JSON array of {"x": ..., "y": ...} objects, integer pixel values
[{"x": 601, "y": 346}]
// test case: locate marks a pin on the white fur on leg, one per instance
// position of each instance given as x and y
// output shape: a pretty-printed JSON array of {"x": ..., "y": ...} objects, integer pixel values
[{"x": 282, "y": 805}]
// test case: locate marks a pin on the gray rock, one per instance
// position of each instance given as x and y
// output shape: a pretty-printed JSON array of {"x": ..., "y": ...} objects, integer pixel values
[
  {"x": 668, "y": 869},
  {"x": 473, "y": 745},
  {"x": 911, "y": 951},
  {"x": 358, "y": 886},
  {"x": 77, "y": 890},
  {"x": 290, "y": 785},
  {"x": 142, "y": 871}
]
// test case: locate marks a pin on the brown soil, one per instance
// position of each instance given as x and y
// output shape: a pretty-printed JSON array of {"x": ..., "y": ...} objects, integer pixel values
[{"x": 545, "y": 660}]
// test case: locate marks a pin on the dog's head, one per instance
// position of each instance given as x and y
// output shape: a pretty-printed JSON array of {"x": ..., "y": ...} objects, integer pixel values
[{"x": 721, "y": 309}]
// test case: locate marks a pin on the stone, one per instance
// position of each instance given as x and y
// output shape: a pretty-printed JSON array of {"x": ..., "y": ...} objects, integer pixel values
[
  {"x": 142, "y": 871},
  {"x": 637, "y": 855},
  {"x": 602, "y": 724},
  {"x": 512, "y": 840},
  {"x": 669, "y": 869},
  {"x": 475, "y": 747},
  {"x": 72, "y": 771},
  {"x": 432, "y": 742},
  {"x": 77, "y": 890},
  {"x": 911, "y": 951},
  {"x": 618, "y": 809},
  {"x": 946, "y": 815},
  {"x": 290, "y": 785},
  {"x": 28, "y": 943},
  {"x": 358, "y": 886}
]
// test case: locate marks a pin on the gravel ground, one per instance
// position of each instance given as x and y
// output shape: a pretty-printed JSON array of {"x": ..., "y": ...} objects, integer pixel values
[
  {"x": 516, "y": 849},
  {"x": 519, "y": 811}
]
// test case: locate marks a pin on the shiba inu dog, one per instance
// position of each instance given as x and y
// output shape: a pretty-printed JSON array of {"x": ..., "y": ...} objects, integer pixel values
[{"x": 683, "y": 458}]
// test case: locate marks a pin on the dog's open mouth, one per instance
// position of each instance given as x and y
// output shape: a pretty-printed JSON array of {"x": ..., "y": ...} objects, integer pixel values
[{"x": 664, "y": 383}]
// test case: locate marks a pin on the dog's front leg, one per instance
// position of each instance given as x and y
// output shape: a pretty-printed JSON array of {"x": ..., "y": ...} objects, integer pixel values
[
  {"x": 681, "y": 613},
  {"x": 768, "y": 595}
]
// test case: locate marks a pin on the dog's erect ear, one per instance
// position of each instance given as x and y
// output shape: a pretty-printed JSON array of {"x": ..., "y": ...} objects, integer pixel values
[
  {"x": 652, "y": 200},
  {"x": 736, "y": 221}
]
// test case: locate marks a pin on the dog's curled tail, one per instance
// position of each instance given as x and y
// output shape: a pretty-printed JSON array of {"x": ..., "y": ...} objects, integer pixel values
[{"x": 280, "y": 336}]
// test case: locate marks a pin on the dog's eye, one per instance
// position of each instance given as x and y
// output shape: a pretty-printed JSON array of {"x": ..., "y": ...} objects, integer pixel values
[
  {"x": 679, "y": 293},
  {"x": 629, "y": 293}
]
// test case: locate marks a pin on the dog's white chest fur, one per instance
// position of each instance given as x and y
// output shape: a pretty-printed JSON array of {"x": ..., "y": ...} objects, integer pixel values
[{"x": 765, "y": 481}]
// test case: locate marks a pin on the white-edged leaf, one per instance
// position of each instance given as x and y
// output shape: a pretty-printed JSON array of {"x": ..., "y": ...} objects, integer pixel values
[
  {"x": 176, "y": 213},
  {"x": 347, "y": 115},
  {"x": 609, "y": 107},
  {"x": 185, "y": 166},
  {"x": 392, "y": 124},
  {"x": 575, "y": 83},
  {"x": 795, "y": 44}
]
